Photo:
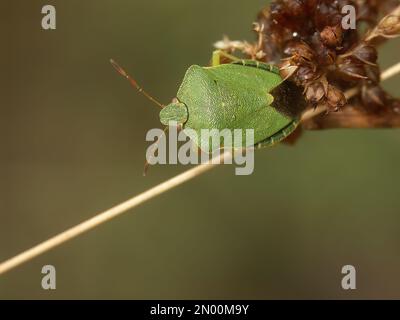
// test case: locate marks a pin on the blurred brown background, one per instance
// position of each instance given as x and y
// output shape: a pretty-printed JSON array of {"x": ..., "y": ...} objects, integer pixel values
[{"x": 72, "y": 136}]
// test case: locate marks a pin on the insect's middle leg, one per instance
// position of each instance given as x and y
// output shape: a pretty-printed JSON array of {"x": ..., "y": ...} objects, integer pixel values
[{"x": 218, "y": 54}]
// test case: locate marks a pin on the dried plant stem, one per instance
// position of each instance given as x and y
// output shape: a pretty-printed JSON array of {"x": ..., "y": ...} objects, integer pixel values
[
  {"x": 392, "y": 71},
  {"x": 111, "y": 213},
  {"x": 137, "y": 200}
]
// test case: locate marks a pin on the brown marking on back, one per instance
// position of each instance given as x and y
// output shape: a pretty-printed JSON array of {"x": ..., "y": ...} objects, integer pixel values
[{"x": 288, "y": 99}]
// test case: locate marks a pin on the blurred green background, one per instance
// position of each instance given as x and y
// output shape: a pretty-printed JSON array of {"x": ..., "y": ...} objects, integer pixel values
[{"x": 72, "y": 136}]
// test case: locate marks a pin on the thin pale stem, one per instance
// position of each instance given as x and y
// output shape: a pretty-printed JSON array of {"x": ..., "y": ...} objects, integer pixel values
[
  {"x": 137, "y": 200},
  {"x": 111, "y": 213},
  {"x": 392, "y": 71}
]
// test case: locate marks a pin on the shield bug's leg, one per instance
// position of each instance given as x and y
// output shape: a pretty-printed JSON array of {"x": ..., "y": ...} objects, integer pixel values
[{"x": 218, "y": 54}]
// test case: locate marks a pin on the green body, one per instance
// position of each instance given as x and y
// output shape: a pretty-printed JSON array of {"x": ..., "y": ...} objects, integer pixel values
[{"x": 242, "y": 95}]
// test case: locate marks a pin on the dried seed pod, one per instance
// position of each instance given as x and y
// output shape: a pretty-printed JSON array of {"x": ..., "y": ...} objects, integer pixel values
[
  {"x": 328, "y": 58},
  {"x": 306, "y": 73},
  {"x": 332, "y": 36},
  {"x": 287, "y": 69},
  {"x": 299, "y": 50},
  {"x": 325, "y": 56},
  {"x": 365, "y": 53},
  {"x": 389, "y": 27},
  {"x": 315, "y": 92},
  {"x": 374, "y": 97},
  {"x": 373, "y": 73},
  {"x": 351, "y": 71},
  {"x": 335, "y": 98}
]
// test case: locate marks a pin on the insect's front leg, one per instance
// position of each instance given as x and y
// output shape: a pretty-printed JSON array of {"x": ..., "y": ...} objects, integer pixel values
[{"x": 219, "y": 54}]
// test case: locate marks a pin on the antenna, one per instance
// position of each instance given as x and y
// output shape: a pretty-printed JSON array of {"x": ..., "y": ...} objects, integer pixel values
[{"x": 134, "y": 84}]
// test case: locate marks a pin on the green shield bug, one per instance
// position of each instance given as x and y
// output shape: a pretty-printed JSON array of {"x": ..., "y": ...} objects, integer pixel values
[{"x": 242, "y": 94}]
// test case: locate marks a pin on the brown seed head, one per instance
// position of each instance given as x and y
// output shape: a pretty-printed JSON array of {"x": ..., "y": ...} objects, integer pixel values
[{"x": 332, "y": 36}]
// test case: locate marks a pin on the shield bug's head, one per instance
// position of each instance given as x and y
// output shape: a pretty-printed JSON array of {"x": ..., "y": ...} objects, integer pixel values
[{"x": 175, "y": 111}]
